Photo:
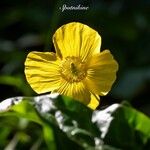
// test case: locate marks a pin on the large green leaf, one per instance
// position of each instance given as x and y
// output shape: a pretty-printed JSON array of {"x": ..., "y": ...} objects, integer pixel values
[
  {"x": 123, "y": 127},
  {"x": 67, "y": 123}
]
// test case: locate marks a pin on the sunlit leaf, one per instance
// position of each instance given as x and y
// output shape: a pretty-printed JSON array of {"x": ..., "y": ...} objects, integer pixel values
[
  {"x": 68, "y": 123},
  {"x": 123, "y": 127}
]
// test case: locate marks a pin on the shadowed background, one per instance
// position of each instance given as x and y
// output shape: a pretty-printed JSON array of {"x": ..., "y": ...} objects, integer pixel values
[
  {"x": 29, "y": 25},
  {"x": 123, "y": 26}
]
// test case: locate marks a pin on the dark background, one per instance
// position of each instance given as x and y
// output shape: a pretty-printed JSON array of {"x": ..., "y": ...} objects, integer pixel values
[{"x": 27, "y": 25}]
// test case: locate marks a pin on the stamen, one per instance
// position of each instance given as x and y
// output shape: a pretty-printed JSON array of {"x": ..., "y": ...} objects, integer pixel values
[{"x": 73, "y": 69}]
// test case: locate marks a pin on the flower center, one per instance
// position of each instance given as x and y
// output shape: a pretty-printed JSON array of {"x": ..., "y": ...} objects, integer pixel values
[{"x": 73, "y": 69}]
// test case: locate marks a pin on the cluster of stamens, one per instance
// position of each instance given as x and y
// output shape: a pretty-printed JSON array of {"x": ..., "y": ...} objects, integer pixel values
[{"x": 72, "y": 69}]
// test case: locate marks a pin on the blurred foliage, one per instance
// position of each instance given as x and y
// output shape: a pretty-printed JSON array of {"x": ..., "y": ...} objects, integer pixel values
[
  {"x": 66, "y": 123},
  {"x": 29, "y": 25}
]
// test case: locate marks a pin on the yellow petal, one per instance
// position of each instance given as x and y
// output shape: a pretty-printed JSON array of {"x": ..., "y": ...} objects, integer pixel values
[
  {"x": 76, "y": 39},
  {"x": 94, "y": 102},
  {"x": 76, "y": 90},
  {"x": 42, "y": 71},
  {"x": 101, "y": 73}
]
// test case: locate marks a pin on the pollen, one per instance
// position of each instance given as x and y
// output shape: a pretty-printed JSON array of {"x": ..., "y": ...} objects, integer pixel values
[{"x": 72, "y": 69}]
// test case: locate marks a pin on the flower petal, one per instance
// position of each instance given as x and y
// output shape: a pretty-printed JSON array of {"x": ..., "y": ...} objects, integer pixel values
[
  {"x": 76, "y": 39},
  {"x": 94, "y": 102},
  {"x": 101, "y": 73},
  {"x": 42, "y": 71},
  {"x": 76, "y": 90}
]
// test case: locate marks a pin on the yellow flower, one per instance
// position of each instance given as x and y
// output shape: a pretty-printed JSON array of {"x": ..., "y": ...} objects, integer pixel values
[{"x": 78, "y": 69}]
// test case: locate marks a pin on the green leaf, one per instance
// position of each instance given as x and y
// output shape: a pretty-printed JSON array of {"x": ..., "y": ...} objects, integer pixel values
[
  {"x": 49, "y": 137},
  {"x": 17, "y": 82},
  {"x": 24, "y": 109},
  {"x": 67, "y": 123},
  {"x": 123, "y": 127}
]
